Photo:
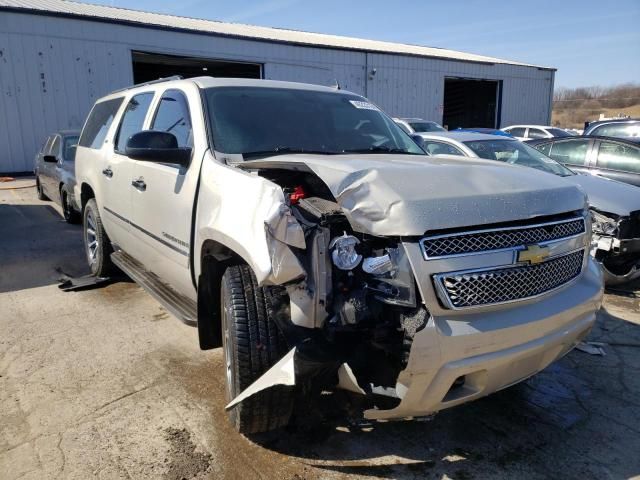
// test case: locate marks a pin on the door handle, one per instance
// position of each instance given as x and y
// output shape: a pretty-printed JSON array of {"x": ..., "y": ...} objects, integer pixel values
[
  {"x": 139, "y": 184},
  {"x": 107, "y": 172}
]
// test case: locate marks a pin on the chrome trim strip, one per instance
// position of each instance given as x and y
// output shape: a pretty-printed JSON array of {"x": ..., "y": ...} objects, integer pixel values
[
  {"x": 444, "y": 296},
  {"x": 491, "y": 230}
]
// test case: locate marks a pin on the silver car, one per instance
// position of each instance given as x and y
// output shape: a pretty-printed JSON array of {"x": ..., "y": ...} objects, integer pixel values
[
  {"x": 615, "y": 206},
  {"x": 55, "y": 172}
]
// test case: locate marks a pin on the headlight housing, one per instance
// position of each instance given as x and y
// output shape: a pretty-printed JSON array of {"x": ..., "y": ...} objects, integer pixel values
[
  {"x": 603, "y": 225},
  {"x": 393, "y": 277},
  {"x": 343, "y": 252}
]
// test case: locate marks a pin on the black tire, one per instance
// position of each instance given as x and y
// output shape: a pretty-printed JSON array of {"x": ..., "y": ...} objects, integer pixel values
[
  {"x": 99, "y": 259},
  {"x": 70, "y": 214},
  {"x": 252, "y": 344},
  {"x": 40, "y": 192}
]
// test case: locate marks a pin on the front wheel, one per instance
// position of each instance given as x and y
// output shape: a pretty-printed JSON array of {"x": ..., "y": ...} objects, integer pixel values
[
  {"x": 70, "y": 213},
  {"x": 40, "y": 191},
  {"x": 97, "y": 245},
  {"x": 252, "y": 344}
]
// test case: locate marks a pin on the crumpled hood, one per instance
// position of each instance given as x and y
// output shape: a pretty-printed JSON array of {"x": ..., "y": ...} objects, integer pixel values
[
  {"x": 402, "y": 195},
  {"x": 608, "y": 196}
]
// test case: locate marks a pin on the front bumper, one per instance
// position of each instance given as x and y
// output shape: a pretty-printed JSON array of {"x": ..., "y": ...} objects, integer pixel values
[{"x": 493, "y": 349}]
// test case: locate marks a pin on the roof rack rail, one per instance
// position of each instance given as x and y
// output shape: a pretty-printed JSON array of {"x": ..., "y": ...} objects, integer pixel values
[{"x": 159, "y": 80}]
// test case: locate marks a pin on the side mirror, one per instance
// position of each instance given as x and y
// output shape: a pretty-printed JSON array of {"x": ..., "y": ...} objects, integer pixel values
[
  {"x": 50, "y": 159},
  {"x": 419, "y": 140},
  {"x": 153, "y": 146}
]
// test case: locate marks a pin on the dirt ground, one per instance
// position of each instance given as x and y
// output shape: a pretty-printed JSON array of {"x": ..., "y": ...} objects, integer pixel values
[{"x": 105, "y": 384}]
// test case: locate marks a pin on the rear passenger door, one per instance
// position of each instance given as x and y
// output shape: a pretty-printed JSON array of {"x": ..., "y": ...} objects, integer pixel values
[
  {"x": 163, "y": 205},
  {"x": 618, "y": 161},
  {"x": 575, "y": 153}
]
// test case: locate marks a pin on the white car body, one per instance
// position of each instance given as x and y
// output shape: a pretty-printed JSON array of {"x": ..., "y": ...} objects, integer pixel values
[{"x": 531, "y": 132}]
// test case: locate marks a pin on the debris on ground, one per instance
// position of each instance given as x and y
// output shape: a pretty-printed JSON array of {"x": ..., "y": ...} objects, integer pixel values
[{"x": 592, "y": 348}]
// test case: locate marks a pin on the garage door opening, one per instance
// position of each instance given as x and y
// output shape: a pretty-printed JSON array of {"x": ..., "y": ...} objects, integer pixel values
[
  {"x": 471, "y": 103},
  {"x": 151, "y": 66}
]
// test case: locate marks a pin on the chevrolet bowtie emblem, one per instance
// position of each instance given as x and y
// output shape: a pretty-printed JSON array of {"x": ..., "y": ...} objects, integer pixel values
[{"x": 533, "y": 254}]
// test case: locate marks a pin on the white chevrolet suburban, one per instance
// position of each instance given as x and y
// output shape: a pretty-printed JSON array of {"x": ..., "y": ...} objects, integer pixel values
[{"x": 302, "y": 230}]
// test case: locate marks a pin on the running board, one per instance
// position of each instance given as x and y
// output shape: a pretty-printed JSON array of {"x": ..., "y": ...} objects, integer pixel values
[{"x": 183, "y": 308}]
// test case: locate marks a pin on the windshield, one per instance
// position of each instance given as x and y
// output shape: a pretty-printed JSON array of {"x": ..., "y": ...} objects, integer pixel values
[
  {"x": 69, "y": 148},
  {"x": 517, "y": 153},
  {"x": 558, "y": 132},
  {"x": 420, "y": 127},
  {"x": 259, "y": 121}
]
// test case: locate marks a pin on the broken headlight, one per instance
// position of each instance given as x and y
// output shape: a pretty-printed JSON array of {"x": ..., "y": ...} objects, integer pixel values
[
  {"x": 343, "y": 252},
  {"x": 603, "y": 225},
  {"x": 392, "y": 277}
]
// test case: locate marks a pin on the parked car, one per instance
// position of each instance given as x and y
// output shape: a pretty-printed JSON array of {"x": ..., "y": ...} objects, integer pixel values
[
  {"x": 55, "y": 172},
  {"x": 488, "y": 131},
  {"x": 418, "y": 125},
  {"x": 615, "y": 206},
  {"x": 628, "y": 128},
  {"x": 608, "y": 157},
  {"x": 530, "y": 132},
  {"x": 340, "y": 255}
]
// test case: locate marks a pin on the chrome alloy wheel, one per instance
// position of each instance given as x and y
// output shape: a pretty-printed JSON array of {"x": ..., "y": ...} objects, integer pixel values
[{"x": 91, "y": 239}]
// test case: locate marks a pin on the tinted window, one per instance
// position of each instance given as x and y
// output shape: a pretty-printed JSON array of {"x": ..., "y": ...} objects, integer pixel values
[
  {"x": 618, "y": 130},
  {"x": 421, "y": 127},
  {"x": 172, "y": 116},
  {"x": 517, "y": 153},
  {"x": 69, "y": 148},
  {"x": 617, "y": 156},
  {"x": 573, "y": 152},
  {"x": 404, "y": 127},
  {"x": 98, "y": 123},
  {"x": 255, "y": 121},
  {"x": 439, "y": 148},
  {"x": 47, "y": 145},
  {"x": 546, "y": 148},
  {"x": 517, "y": 132},
  {"x": 132, "y": 119},
  {"x": 536, "y": 133},
  {"x": 55, "y": 146}
]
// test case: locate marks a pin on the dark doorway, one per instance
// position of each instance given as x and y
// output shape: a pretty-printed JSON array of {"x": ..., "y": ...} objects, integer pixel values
[
  {"x": 151, "y": 66},
  {"x": 470, "y": 103}
]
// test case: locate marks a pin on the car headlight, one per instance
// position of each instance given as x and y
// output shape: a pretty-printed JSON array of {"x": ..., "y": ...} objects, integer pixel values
[
  {"x": 392, "y": 277},
  {"x": 603, "y": 225},
  {"x": 344, "y": 253}
]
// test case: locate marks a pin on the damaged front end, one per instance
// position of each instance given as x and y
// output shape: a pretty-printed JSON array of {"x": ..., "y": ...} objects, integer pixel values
[{"x": 353, "y": 307}]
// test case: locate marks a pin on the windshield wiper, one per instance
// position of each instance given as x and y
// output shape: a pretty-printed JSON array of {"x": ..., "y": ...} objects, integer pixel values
[
  {"x": 284, "y": 151},
  {"x": 379, "y": 150}
]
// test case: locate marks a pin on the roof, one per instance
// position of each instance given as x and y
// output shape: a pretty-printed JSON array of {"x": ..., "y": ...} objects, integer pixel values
[
  {"x": 632, "y": 141},
  {"x": 172, "y": 22},
  {"x": 207, "y": 82},
  {"x": 465, "y": 136}
]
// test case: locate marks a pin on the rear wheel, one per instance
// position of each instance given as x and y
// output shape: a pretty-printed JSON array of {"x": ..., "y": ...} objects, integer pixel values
[
  {"x": 70, "y": 213},
  {"x": 252, "y": 344},
  {"x": 41, "y": 195},
  {"x": 97, "y": 245}
]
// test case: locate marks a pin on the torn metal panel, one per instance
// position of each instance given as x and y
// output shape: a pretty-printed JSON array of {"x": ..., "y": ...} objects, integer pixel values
[{"x": 405, "y": 195}]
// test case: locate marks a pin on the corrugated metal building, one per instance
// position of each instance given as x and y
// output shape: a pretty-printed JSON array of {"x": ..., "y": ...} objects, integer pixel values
[{"x": 57, "y": 57}]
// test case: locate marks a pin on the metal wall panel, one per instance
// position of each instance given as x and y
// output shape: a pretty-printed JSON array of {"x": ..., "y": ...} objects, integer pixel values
[{"x": 52, "y": 70}]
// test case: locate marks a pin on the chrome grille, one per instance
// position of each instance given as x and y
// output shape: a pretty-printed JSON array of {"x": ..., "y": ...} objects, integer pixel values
[
  {"x": 474, "y": 288},
  {"x": 498, "y": 239}
]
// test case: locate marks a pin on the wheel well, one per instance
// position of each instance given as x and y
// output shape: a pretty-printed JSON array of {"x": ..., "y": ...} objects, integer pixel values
[
  {"x": 60, "y": 187},
  {"x": 215, "y": 258},
  {"x": 86, "y": 194}
]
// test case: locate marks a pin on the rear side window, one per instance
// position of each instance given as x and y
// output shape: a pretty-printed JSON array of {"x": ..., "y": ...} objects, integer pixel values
[
  {"x": 573, "y": 152},
  {"x": 517, "y": 132},
  {"x": 617, "y": 156},
  {"x": 618, "y": 130},
  {"x": 132, "y": 119},
  {"x": 536, "y": 133},
  {"x": 98, "y": 123},
  {"x": 172, "y": 116},
  {"x": 439, "y": 148}
]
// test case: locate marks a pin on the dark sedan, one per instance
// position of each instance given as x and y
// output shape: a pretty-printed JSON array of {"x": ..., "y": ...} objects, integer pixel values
[
  {"x": 55, "y": 172},
  {"x": 628, "y": 128},
  {"x": 608, "y": 157}
]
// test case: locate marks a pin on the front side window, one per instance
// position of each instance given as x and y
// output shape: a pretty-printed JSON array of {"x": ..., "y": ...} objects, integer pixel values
[
  {"x": 69, "y": 145},
  {"x": 172, "y": 116},
  {"x": 572, "y": 152},
  {"x": 55, "y": 146},
  {"x": 97, "y": 125},
  {"x": 421, "y": 127},
  {"x": 536, "y": 133},
  {"x": 517, "y": 153},
  {"x": 617, "y": 156},
  {"x": 618, "y": 130},
  {"x": 132, "y": 119},
  {"x": 440, "y": 148},
  {"x": 258, "y": 121}
]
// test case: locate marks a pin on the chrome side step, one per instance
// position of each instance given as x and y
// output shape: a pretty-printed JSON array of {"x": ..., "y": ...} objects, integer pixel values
[{"x": 183, "y": 308}]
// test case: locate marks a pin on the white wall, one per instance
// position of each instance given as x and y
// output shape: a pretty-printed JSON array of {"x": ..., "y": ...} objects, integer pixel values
[{"x": 52, "y": 69}]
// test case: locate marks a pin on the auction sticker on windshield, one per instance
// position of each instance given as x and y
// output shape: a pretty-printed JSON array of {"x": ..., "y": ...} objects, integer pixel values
[{"x": 363, "y": 105}]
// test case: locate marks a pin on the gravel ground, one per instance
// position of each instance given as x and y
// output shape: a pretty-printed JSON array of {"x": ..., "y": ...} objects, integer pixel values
[{"x": 105, "y": 384}]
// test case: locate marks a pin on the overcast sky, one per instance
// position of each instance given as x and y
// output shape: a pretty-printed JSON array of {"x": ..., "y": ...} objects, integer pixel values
[{"x": 590, "y": 42}]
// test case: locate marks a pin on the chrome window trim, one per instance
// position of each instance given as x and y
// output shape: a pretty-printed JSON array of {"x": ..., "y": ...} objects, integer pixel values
[
  {"x": 444, "y": 296},
  {"x": 504, "y": 229}
]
